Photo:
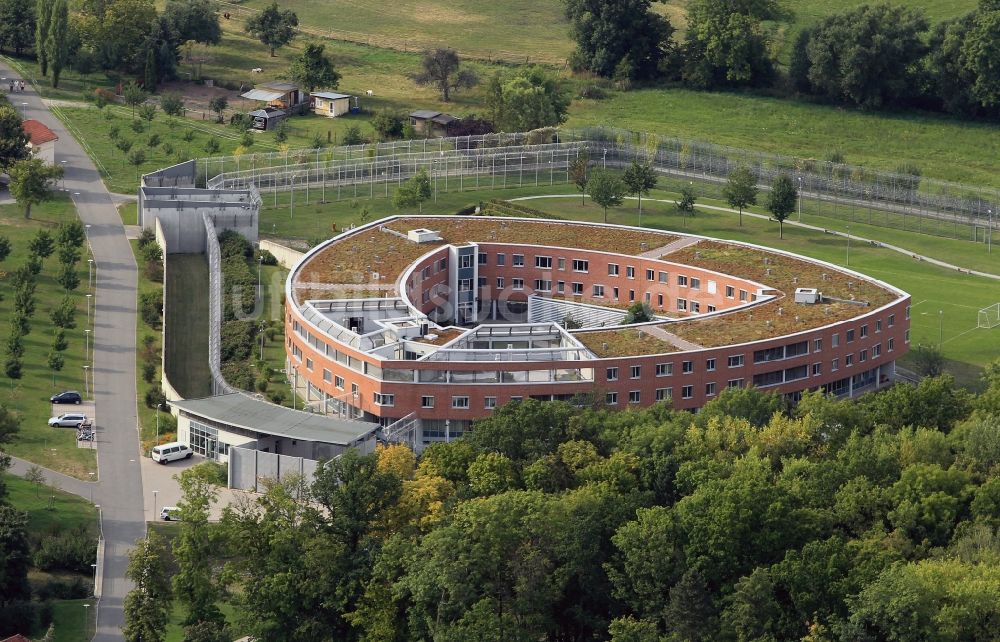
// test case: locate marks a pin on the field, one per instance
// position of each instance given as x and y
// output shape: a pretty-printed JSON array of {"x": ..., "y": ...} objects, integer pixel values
[
  {"x": 186, "y": 332},
  {"x": 53, "y": 448},
  {"x": 147, "y": 416}
]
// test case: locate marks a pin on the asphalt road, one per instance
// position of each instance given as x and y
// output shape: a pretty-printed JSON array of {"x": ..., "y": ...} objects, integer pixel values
[{"x": 119, "y": 490}]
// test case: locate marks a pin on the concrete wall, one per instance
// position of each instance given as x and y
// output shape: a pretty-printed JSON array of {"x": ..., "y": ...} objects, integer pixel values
[
  {"x": 184, "y": 227},
  {"x": 287, "y": 257},
  {"x": 168, "y": 388},
  {"x": 247, "y": 468}
]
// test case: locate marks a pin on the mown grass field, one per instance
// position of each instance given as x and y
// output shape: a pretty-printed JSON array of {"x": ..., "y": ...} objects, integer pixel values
[
  {"x": 53, "y": 448},
  {"x": 958, "y": 295},
  {"x": 186, "y": 325}
]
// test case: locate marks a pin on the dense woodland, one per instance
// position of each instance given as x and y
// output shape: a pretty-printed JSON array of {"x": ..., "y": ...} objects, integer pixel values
[{"x": 832, "y": 520}]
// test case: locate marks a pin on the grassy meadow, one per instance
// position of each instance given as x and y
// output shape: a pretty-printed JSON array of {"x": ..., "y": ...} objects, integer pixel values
[{"x": 53, "y": 448}]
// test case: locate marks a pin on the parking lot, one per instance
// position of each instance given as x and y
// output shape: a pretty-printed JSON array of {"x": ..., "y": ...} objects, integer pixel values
[
  {"x": 87, "y": 408},
  {"x": 159, "y": 486}
]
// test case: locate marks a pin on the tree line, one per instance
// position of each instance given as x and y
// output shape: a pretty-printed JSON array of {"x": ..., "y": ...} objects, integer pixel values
[
  {"x": 832, "y": 520},
  {"x": 871, "y": 56}
]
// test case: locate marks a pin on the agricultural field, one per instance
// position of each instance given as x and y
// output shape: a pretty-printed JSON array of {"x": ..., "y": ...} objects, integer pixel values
[{"x": 54, "y": 448}]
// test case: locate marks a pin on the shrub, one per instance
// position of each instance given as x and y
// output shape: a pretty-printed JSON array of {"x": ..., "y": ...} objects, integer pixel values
[
  {"x": 147, "y": 112},
  {"x": 277, "y": 396},
  {"x": 352, "y": 135},
  {"x": 262, "y": 385},
  {"x": 59, "y": 342},
  {"x": 114, "y": 132},
  {"x": 233, "y": 243},
  {"x": 64, "y": 316},
  {"x": 212, "y": 146},
  {"x": 154, "y": 397},
  {"x": 151, "y": 308},
  {"x": 148, "y": 371},
  {"x": 281, "y": 132},
  {"x": 146, "y": 237},
  {"x": 103, "y": 97},
  {"x": 215, "y": 472},
  {"x": 167, "y": 148},
  {"x": 266, "y": 258},
  {"x": 12, "y": 368},
  {"x": 68, "y": 277},
  {"x": 72, "y": 551},
  {"x": 54, "y": 589},
  {"x": 247, "y": 139},
  {"x": 239, "y": 374},
  {"x": 153, "y": 271},
  {"x": 152, "y": 252},
  {"x": 240, "y": 120},
  {"x": 172, "y": 104},
  {"x": 388, "y": 125},
  {"x": 154, "y": 141},
  {"x": 593, "y": 92},
  {"x": 188, "y": 135},
  {"x": 236, "y": 341},
  {"x": 138, "y": 127}
]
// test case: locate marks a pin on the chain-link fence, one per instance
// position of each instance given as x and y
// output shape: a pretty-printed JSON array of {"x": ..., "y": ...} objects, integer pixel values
[
  {"x": 495, "y": 161},
  {"x": 214, "y": 254}
]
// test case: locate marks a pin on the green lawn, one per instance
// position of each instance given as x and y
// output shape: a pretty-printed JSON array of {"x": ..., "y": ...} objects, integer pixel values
[
  {"x": 53, "y": 448},
  {"x": 147, "y": 416},
  {"x": 73, "y": 622},
  {"x": 50, "y": 509},
  {"x": 129, "y": 213},
  {"x": 186, "y": 320}
]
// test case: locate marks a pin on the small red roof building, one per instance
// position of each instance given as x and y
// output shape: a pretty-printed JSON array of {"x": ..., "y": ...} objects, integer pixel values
[
  {"x": 18, "y": 637},
  {"x": 38, "y": 134}
]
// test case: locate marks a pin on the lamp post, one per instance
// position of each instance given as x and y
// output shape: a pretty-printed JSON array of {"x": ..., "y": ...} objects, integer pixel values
[
  {"x": 848, "y": 245},
  {"x": 24, "y": 112},
  {"x": 86, "y": 379},
  {"x": 91, "y": 487},
  {"x": 154, "y": 505},
  {"x": 800, "y": 199},
  {"x": 940, "y": 327},
  {"x": 260, "y": 264},
  {"x": 86, "y": 333},
  {"x": 90, "y": 274},
  {"x": 63, "y": 163},
  {"x": 89, "y": 296},
  {"x": 86, "y": 608},
  {"x": 260, "y": 331},
  {"x": 94, "y": 566},
  {"x": 989, "y": 233},
  {"x": 158, "y": 406}
]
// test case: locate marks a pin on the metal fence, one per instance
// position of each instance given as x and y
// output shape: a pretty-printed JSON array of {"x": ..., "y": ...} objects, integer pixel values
[
  {"x": 214, "y": 254},
  {"x": 839, "y": 191}
]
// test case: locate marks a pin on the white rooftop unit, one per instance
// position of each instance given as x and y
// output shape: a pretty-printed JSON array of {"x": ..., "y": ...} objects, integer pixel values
[
  {"x": 422, "y": 235},
  {"x": 807, "y": 295}
]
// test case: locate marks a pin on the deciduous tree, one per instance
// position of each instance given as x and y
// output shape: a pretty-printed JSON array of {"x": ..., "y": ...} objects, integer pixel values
[
  {"x": 605, "y": 189},
  {"x": 781, "y": 200},
  {"x": 194, "y": 584},
  {"x": 31, "y": 182},
  {"x": 741, "y": 189},
  {"x": 526, "y": 99},
  {"x": 624, "y": 36},
  {"x": 57, "y": 40},
  {"x": 442, "y": 69},
  {"x": 43, "y": 22},
  {"x": 273, "y": 27},
  {"x": 196, "y": 20},
  {"x": 148, "y": 603},
  {"x": 639, "y": 179},
  {"x": 13, "y": 140},
  {"x": 314, "y": 69},
  {"x": 414, "y": 191}
]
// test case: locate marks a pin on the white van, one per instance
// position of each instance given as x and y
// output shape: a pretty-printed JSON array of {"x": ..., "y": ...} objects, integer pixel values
[
  {"x": 171, "y": 452},
  {"x": 170, "y": 514}
]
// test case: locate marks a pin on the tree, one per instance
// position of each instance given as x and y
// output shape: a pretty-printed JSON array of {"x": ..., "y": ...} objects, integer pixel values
[
  {"x": 43, "y": 22},
  {"x": 605, "y": 189},
  {"x": 13, "y": 140},
  {"x": 414, "y": 191},
  {"x": 196, "y": 20},
  {"x": 56, "y": 361},
  {"x": 741, "y": 189},
  {"x": 639, "y": 179},
  {"x": 4, "y": 248},
  {"x": 148, "y": 603},
  {"x": 869, "y": 55},
  {"x": 172, "y": 103},
  {"x": 726, "y": 45},
  {"x": 31, "y": 182},
  {"x": 17, "y": 25},
  {"x": 638, "y": 312},
  {"x": 928, "y": 360},
  {"x": 980, "y": 56},
  {"x": 193, "y": 585},
  {"x": 15, "y": 555},
  {"x": 388, "y": 125},
  {"x": 618, "y": 34},
  {"x": 525, "y": 99},
  {"x": 218, "y": 104},
  {"x": 273, "y": 27},
  {"x": 68, "y": 278},
  {"x": 781, "y": 200},
  {"x": 579, "y": 174},
  {"x": 441, "y": 68},
  {"x": 149, "y": 71},
  {"x": 35, "y": 475},
  {"x": 42, "y": 245},
  {"x": 10, "y": 424},
  {"x": 314, "y": 69},
  {"x": 119, "y": 32},
  {"x": 134, "y": 95},
  {"x": 123, "y": 145},
  {"x": 685, "y": 205},
  {"x": 57, "y": 39}
]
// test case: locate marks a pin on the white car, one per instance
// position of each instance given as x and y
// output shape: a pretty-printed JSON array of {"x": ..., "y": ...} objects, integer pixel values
[
  {"x": 68, "y": 420},
  {"x": 171, "y": 452},
  {"x": 170, "y": 514}
]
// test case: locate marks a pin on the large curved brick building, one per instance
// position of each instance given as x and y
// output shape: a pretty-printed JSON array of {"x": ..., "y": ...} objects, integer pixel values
[{"x": 441, "y": 319}]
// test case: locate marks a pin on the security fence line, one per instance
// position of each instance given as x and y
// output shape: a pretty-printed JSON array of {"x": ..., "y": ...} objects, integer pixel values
[
  {"x": 503, "y": 160},
  {"x": 219, "y": 384}
]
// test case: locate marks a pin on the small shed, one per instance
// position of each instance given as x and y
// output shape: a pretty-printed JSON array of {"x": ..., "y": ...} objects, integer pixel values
[
  {"x": 41, "y": 140},
  {"x": 267, "y": 118},
  {"x": 431, "y": 123},
  {"x": 282, "y": 95},
  {"x": 330, "y": 104}
]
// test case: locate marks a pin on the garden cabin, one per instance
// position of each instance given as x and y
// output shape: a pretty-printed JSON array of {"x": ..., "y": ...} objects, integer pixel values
[
  {"x": 281, "y": 95},
  {"x": 331, "y": 105},
  {"x": 41, "y": 140},
  {"x": 267, "y": 118},
  {"x": 431, "y": 123}
]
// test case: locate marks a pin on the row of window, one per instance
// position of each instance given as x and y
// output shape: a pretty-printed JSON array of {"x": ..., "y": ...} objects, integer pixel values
[{"x": 661, "y": 394}]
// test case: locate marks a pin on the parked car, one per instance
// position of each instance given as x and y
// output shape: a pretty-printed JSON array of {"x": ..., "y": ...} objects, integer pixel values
[
  {"x": 68, "y": 420},
  {"x": 169, "y": 514},
  {"x": 69, "y": 396},
  {"x": 171, "y": 452}
]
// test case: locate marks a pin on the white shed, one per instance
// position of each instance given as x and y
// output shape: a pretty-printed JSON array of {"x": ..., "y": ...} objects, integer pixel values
[
  {"x": 327, "y": 103},
  {"x": 41, "y": 140}
]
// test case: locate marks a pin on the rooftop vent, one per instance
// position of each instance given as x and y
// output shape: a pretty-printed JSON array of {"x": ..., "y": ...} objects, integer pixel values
[
  {"x": 807, "y": 295},
  {"x": 422, "y": 235}
]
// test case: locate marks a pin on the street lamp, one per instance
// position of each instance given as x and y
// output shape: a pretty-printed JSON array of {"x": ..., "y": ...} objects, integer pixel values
[
  {"x": 154, "y": 504},
  {"x": 63, "y": 163},
  {"x": 260, "y": 331},
  {"x": 848, "y": 245},
  {"x": 90, "y": 274},
  {"x": 989, "y": 233},
  {"x": 89, "y": 296},
  {"x": 158, "y": 406},
  {"x": 94, "y": 566},
  {"x": 940, "y": 327},
  {"x": 86, "y": 333},
  {"x": 86, "y": 379},
  {"x": 24, "y": 113},
  {"x": 800, "y": 199},
  {"x": 91, "y": 487},
  {"x": 86, "y": 626},
  {"x": 260, "y": 263}
]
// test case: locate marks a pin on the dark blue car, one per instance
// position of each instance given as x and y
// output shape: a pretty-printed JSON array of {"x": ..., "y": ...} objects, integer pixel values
[{"x": 70, "y": 396}]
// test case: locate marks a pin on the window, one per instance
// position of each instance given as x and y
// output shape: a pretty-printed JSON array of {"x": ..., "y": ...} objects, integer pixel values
[
  {"x": 864, "y": 331},
  {"x": 338, "y": 383},
  {"x": 817, "y": 345},
  {"x": 663, "y": 277},
  {"x": 499, "y": 282},
  {"x": 481, "y": 281},
  {"x": 309, "y": 364},
  {"x": 906, "y": 337},
  {"x": 543, "y": 285},
  {"x": 664, "y": 369},
  {"x": 834, "y": 365},
  {"x": 907, "y": 312},
  {"x": 427, "y": 402},
  {"x": 735, "y": 383},
  {"x": 730, "y": 292},
  {"x": 711, "y": 308},
  {"x": 561, "y": 287},
  {"x": 442, "y": 264},
  {"x": 384, "y": 400},
  {"x": 611, "y": 398},
  {"x": 890, "y": 345},
  {"x": 501, "y": 259},
  {"x": 578, "y": 289},
  {"x": 650, "y": 274},
  {"x": 489, "y": 403},
  {"x": 878, "y": 325},
  {"x": 517, "y": 284},
  {"x": 629, "y": 272},
  {"x": 743, "y": 295},
  {"x": 710, "y": 389},
  {"x": 863, "y": 355},
  {"x": 687, "y": 367},
  {"x": 849, "y": 361},
  {"x": 817, "y": 369},
  {"x": 562, "y": 264},
  {"x": 612, "y": 269},
  {"x": 482, "y": 258},
  {"x": 876, "y": 350},
  {"x": 659, "y": 300},
  {"x": 735, "y": 360},
  {"x": 648, "y": 297},
  {"x": 695, "y": 283},
  {"x": 327, "y": 375},
  {"x": 543, "y": 262},
  {"x": 682, "y": 281},
  {"x": 614, "y": 293},
  {"x": 599, "y": 291},
  {"x": 682, "y": 304},
  {"x": 635, "y": 372},
  {"x": 465, "y": 261},
  {"x": 892, "y": 320},
  {"x": 425, "y": 296},
  {"x": 850, "y": 336},
  {"x": 835, "y": 340},
  {"x": 664, "y": 393},
  {"x": 631, "y": 295},
  {"x": 695, "y": 307},
  {"x": 710, "y": 365},
  {"x": 687, "y": 392},
  {"x": 612, "y": 374},
  {"x": 460, "y": 402},
  {"x": 634, "y": 396},
  {"x": 464, "y": 285},
  {"x": 518, "y": 260},
  {"x": 579, "y": 265}
]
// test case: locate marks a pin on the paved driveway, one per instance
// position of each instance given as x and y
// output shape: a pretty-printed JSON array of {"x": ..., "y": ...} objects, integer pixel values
[{"x": 159, "y": 478}]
